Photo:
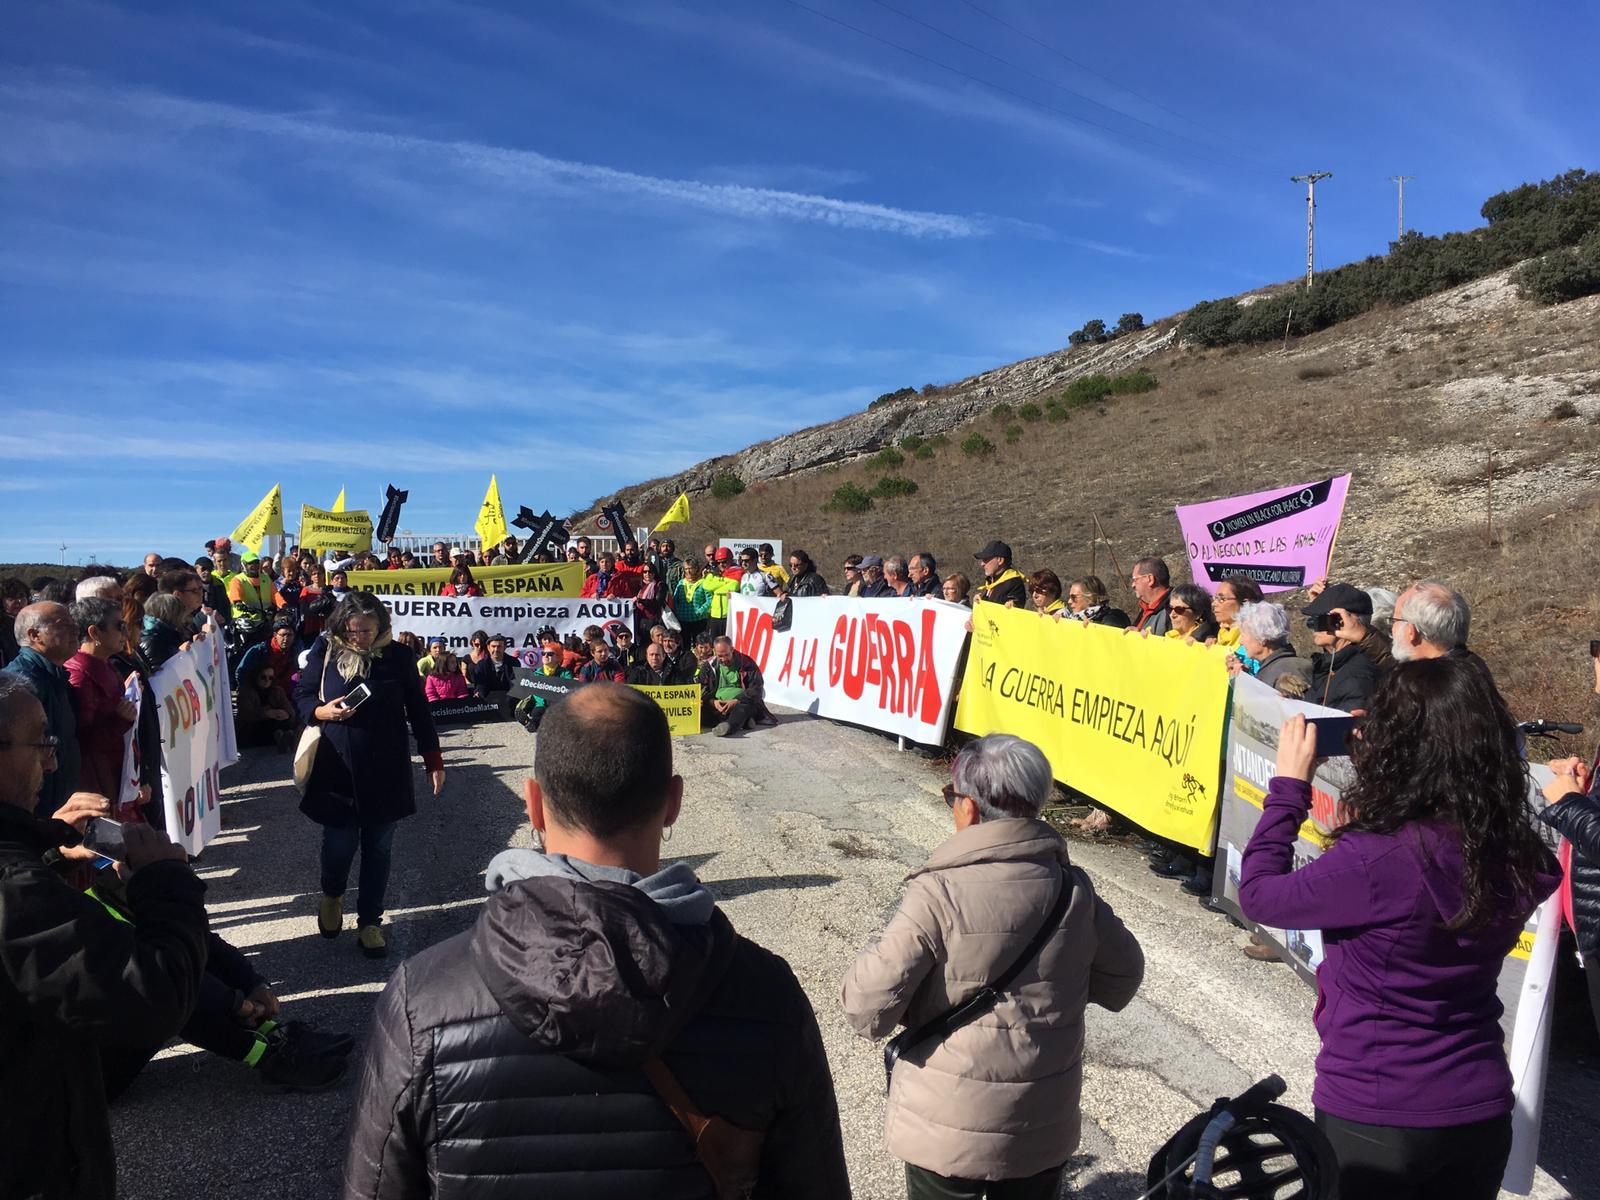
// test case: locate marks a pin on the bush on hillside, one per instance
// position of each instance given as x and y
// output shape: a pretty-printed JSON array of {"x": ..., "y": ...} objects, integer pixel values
[
  {"x": 1130, "y": 323},
  {"x": 1532, "y": 220},
  {"x": 1055, "y": 411},
  {"x": 976, "y": 444},
  {"x": 885, "y": 458},
  {"x": 904, "y": 393},
  {"x": 891, "y": 487},
  {"x": 1030, "y": 412},
  {"x": 939, "y": 441},
  {"x": 924, "y": 451},
  {"x": 1092, "y": 332},
  {"x": 1563, "y": 275},
  {"x": 1001, "y": 412},
  {"x": 726, "y": 487},
  {"x": 1013, "y": 433},
  {"x": 930, "y": 389},
  {"x": 910, "y": 443},
  {"x": 849, "y": 498}
]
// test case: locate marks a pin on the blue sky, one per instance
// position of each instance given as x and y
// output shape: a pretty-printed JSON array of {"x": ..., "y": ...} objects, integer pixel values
[{"x": 584, "y": 244}]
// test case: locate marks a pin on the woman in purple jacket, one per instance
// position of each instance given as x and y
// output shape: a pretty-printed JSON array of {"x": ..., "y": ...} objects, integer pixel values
[{"x": 1419, "y": 899}]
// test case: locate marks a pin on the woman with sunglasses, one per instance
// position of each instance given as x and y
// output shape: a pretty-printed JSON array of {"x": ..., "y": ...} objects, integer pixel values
[
  {"x": 1233, "y": 593},
  {"x": 1044, "y": 589},
  {"x": 530, "y": 711},
  {"x": 1190, "y": 608}
]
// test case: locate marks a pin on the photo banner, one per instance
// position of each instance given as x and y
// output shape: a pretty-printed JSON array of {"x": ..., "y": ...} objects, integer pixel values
[
  {"x": 1524, "y": 986},
  {"x": 519, "y": 620},
  {"x": 1135, "y": 723},
  {"x": 1281, "y": 538},
  {"x": 681, "y": 703},
  {"x": 888, "y": 664},
  {"x": 195, "y": 707},
  {"x": 524, "y": 579},
  {"x": 323, "y": 529}
]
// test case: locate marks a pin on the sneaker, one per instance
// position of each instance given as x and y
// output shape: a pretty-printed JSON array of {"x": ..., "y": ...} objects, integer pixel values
[
  {"x": 721, "y": 729},
  {"x": 330, "y": 916},
  {"x": 372, "y": 943},
  {"x": 288, "y": 1068},
  {"x": 1198, "y": 884},
  {"x": 316, "y": 1042}
]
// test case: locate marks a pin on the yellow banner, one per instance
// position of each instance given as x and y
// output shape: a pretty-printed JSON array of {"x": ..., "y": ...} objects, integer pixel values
[
  {"x": 521, "y": 579},
  {"x": 324, "y": 529},
  {"x": 681, "y": 703},
  {"x": 265, "y": 518},
  {"x": 1136, "y": 723}
]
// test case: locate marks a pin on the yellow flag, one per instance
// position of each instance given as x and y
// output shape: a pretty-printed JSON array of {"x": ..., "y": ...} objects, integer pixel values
[
  {"x": 265, "y": 518},
  {"x": 338, "y": 505},
  {"x": 678, "y": 514},
  {"x": 491, "y": 522}
]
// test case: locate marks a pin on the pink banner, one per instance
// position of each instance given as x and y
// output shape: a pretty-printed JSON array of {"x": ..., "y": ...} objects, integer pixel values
[{"x": 1281, "y": 538}]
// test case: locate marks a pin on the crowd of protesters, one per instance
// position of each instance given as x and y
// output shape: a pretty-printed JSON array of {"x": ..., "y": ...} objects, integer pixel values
[{"x": 596, "y": 972}]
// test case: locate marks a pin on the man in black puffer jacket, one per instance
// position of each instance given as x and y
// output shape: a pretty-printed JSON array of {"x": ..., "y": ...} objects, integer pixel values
[
  {"x": 1574, "y": 813},
  {"x": 511, "y": 1060}
]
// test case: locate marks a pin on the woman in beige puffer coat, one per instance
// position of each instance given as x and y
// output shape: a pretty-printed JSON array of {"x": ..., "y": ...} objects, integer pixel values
[{"x": 997, "y": 1100}]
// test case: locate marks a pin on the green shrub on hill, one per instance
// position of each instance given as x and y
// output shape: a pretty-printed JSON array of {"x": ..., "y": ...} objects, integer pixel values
[
  {"x": 976, "y": 444},
  {"x": 1563, "y": 275},
  {"x": 904, "y": 393},
  {"x": 726, "y": 487},
  {"x": 1013, "y": 433},
  {"x": 885, "y": 458},
  {"x": 849, "y": 498},
  {"x": 891, "y": 487},
  {"x": 1001, "y": 412},
  {"x": 911, "y": 443},
  {"x": 1030, "y": 412}
]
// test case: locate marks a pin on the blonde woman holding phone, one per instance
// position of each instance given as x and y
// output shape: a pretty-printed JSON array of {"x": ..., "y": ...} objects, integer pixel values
[{"x": 363, "y": 689}]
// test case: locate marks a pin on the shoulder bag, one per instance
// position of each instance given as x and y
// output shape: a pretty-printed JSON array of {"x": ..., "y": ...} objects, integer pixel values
[
  {"x": 305, "y": 752},
  {"x": 984, "y": 999}
]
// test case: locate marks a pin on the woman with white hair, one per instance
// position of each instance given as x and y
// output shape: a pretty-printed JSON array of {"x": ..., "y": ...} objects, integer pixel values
[
  {"x": 995, "y": 1099},
  {"x": 1264, "y": 650}
]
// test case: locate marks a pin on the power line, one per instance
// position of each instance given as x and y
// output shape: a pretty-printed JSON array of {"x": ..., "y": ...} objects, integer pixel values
[
  {"x": 1400, "y": 224},
  {"x": 1005, "y": 62},
  {"x": 1086, "y": 69},
  {"x": 1310, "y": 181},
  {"x": 1060, "y": 112}
]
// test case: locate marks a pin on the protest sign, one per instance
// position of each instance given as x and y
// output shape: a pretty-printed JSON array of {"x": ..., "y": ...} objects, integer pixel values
[
  {"x": 1281, "y": 538},
  {"x": 888, "y": 664},
  {"x": 324, "y": 529},
  {"x": 125, "y": 804},
  {"x": 521, "y": 579},
  {"x": 738, "y": 544},
  {"x": 1136, "y": 723},
  {"x": 517, "y": 619},
  {"x": 1258, "y": 713},
  {"x": 681, "y": 703},
  {"x": 529, "y": 682},
  {"x": 195, "y": 707},
  {"x": 464, "y": 711}
]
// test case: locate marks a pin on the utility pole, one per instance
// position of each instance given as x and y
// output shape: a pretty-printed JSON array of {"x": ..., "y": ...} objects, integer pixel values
[
  {"x": 1311, "y": 218},
  {"x": 1401, "y": 180}
]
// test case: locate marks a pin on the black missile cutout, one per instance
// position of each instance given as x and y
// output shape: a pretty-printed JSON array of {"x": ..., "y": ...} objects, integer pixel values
[
  {"x": 544, "y": 531},
  {"x": 389, "y": 519},
  {"x": 619, "y": 524}
]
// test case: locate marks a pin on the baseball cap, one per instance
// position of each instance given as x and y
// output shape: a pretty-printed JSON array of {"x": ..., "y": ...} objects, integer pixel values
[
  {"x": 724, "y": 555},
  {"x": 223, "y": 543},
  {"x": 456, "y": 551},
  {"x": 994, "y": 550},
  {"x": 871, "y": 560},
  {"x": 249, "y": 556},
  {"x": 1340, "y": 595}
]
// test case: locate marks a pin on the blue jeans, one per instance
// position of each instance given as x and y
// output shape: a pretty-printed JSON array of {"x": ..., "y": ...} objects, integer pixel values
[{"x": 339, "y": 845}]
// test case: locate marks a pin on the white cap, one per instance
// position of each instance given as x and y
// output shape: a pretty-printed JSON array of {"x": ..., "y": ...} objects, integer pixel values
[{"x": 456, "y": 551}]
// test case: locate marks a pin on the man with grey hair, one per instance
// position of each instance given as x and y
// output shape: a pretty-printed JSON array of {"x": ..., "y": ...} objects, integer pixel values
[
  {"x": 923, "y": 572},
  {"x": 1430, "y": 620},
  {"x": 895, "y": 577},
  {"x": 46, "y": 637},
  {"x": 98, "y": 587},
  {"x": 873, "y": 584},
  {"x": 996, "y": 1101}
]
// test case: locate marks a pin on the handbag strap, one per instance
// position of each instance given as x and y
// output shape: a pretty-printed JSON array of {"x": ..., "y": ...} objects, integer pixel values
[{"x": 988, "y": 996}]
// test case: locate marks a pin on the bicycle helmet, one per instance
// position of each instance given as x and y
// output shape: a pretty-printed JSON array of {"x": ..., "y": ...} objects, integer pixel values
[{"x": 1268, "y": 1152}]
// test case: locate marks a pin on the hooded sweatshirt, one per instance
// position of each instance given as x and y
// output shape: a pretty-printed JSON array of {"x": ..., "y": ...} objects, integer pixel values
[{"x": 1406, "y": 1009}]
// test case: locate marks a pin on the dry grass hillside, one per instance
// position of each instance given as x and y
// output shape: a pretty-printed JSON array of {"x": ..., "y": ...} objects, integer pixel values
[{"x": 1411, "y": 400}]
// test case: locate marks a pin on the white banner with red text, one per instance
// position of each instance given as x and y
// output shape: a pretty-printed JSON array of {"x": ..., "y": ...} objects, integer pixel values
[
  {"x": 888, "y": 664},
  {"x": 195, "y": 706}
]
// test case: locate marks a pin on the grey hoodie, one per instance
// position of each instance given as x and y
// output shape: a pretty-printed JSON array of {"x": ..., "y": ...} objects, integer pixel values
[{"x": 682, "y": 897}]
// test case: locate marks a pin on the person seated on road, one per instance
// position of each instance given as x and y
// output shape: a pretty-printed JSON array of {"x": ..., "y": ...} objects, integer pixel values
[
  {"x": 265, "y": 716},
  {"x": 1233, "y": 592},
  {"x": 1152, "y": 587},
  {"x": 679, "y": 657},
  {"x": 802, "y": 578},
  {"x": 956, "y": 588},
  {"x": 436, "y": 647},
  {"x": 1264, "y": 650},
  {"x": 658, "y": 671},
  {"x": 1345, "y": 672},
  {"x": 753, "y": 581},
  {"x": 594, "y": 983},
  {"x": 1087, "y": 602},
  {"x": 1189, "y": 607},
  {"x": 73, "y": 979},
  {"x": 493, "y": 673},
  {"x": 462, "y": 583},
  {"x": 444, "y": 680},
  {"x": 531, "y": 709},
  {"x": 623, "y": 650},
  {"x": 1044, "y": 589},
  {"x": 999, "y": 1099},
  {"x": 731, "y": 690},
  {"x": 279, "y": 650},
  {"x": 602, "y": 667},
  {"x": 873, "y": 584}
]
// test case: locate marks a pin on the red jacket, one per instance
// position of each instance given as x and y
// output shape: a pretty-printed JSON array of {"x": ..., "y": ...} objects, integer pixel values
[{"x": 100, "y": 727}]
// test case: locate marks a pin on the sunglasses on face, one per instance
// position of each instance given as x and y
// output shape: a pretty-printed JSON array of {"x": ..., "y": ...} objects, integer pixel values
[
  {"x": 1180, "y": 610},
  {"x": 950, "y": 794}
]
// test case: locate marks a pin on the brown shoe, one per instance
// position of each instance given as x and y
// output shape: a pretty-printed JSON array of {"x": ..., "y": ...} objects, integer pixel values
[
  {"x": 1257, "y": 940},
  {"x": 1261, "y": 953}
]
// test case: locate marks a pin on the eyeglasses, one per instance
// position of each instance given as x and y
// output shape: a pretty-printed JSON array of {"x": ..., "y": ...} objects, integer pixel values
[
  {"x": 548, "y": 654},
  {"x": 950, "y": 795},
  {"x": 1180, "y": 610},
  {"x": 48, "y": 744}
]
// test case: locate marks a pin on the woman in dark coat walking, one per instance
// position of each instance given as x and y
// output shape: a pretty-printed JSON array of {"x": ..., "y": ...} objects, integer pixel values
[{"x": 360, "y": 784}]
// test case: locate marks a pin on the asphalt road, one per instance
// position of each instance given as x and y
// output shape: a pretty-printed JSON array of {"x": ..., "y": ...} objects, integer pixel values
[{"x": 805, "y": 833}]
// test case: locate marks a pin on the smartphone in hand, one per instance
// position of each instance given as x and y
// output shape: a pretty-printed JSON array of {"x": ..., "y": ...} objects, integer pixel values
[
  {"x": 1333, "y": 734},
  {"x": 105, "y": 837},
  {"x": 356, "y": 697}
]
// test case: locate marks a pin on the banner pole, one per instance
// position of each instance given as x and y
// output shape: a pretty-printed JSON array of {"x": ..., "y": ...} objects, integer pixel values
[{"x": 1110, "y": 549}]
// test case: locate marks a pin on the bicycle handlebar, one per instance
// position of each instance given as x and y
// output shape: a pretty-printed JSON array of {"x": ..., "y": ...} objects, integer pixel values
[{"x": 1542, "y": 728}]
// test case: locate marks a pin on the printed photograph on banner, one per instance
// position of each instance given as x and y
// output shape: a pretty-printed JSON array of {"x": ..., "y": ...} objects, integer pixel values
[
  {"x": 1135, "y": 723},
  {"x": 1282, "y": 538},
  {"x": 888, "y": 664},
  {"x": 520, "y": 579}
]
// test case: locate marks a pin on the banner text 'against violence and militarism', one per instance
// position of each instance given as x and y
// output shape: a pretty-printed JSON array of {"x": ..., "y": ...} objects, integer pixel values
[
  {"x": 1282, "y": 538},
  {"x": 527, "y": 579},
  {"x": 518, "y": 619},
  {"x": 1134, "y": 722},
  {"x": 195, "y": 708},
  {"x": 888, "y": 664}
]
